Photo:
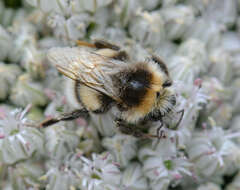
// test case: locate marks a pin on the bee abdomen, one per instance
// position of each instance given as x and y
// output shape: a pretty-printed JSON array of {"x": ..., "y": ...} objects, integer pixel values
[
  {"x": 106, "y": 103},
  {"x": 93, "y": 100}
]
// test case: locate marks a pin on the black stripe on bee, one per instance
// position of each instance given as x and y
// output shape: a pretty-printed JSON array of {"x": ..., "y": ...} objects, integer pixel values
[
  {"x": 106, "y": 103},
  {"x": 76, "y": 91}
]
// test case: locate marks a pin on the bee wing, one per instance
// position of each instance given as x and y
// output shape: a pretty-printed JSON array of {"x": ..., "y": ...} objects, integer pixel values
[{"x": 89, "y": 68}]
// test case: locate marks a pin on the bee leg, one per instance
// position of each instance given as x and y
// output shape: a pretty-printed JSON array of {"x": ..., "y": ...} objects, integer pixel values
[
  {"x": 99, "y": 44},
  {"x": 102, "y": 44},
  {"x": 180, "y": 119},
  {"x": 86, "y": 44},
  {"x": 129, "y": 130},
  {"x": 106, "y": 49},
  {"x": 118, "y": 53},
  {"x": 160, "y": 133},
  {"x": 65, "y": 117}
]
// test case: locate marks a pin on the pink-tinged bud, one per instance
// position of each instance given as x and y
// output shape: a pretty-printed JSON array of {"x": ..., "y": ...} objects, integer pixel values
[
  {"x": 198, "y": 82},
  {"x": 79, "y": 154},
  {"x": 2, "y": 113},
  {"x": 106, "y": 156},
  {"x": 156, "y": 172},
  {"x": 50, "y": 93},
  {"x": 27, "y": 145},
  {"x": 116, "y": 164},
  {"x": 81, "y": 122},
  {"x": 194, "y": 176},
  {"x": 209, "y": 152},
  {"x": 2, "y": 136},
  {"x": 177, "y": 176},
  {"x": 204, "y": 125},
  {"x": 64, "y": 100}
]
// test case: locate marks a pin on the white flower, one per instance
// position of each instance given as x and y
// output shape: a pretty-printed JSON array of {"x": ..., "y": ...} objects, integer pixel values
[
  {"x": 89, "y": 5},
  {"x": 198, "y": 6},
  {"x": 236, "y": 65},
  {"x": 210, "y": 149},
  {"x": 100, "y": 173},
  {"x": 222, "y": 11},
  {"x": 182, "y": 68},
  {"x": 18, "y": 141},
  {"x": 69, "y": 29},
  {"x": 235, "y": 125},
  {"x": 166, "y": 50},
  {"x": 64, "y": 173},
  {"x": 189, "y": 62},
  {"x": 76, "y": 26},
  {"x": 149, "y": 5},
  {"x": 221, "y": 57},
  {"x": 133, "y": 178},
  {"x": 122, "y": 147},
  {"x": 162, "y": 165},
  {"x": 104, "y": 123},
  {"x": 113, "y": 34},
  {"x": 25, "y": 174},
  {"x": 231, "y": 42},
  {"x": 8, "y": 75},
  {"x": 33, "y": 62},
  {"x": 208, "y": 31},
  {"x": 58, "y": 104},
  {"x": 58, "y": 6},
  {"x": 218, "y": 105},
  {"x": 27, "y": 91},
  {"x": 216, "y": 92},
  {"x": 137, "y": 52},
  {"x": 148, "y": 28},
  {"x": 60, "y": 141},
  {"x": 24, "y": 36},
  {"x": 169, "y": 3},
  {"x": 209, "y": 186},
  {"x": 196, "y": 51},
  {"x": 5, "y": 43},
  {"x": 190, "y": 99},
  {"x": 177, "y": 19},
  {"x": 125, "y": 10},
  {"x": 235, "y": 184},
  {"x": 222, "y": 114}
]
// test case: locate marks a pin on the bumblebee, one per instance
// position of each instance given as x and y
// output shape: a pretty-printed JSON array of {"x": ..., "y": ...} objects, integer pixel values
[{"x": 103, "y": 76}]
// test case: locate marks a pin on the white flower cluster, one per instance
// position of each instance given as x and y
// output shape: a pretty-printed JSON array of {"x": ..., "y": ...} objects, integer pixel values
[{"x": 200, "y": 44}]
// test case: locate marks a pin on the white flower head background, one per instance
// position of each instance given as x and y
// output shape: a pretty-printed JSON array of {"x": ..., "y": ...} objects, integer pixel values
[{"x": 197, "y": 39}]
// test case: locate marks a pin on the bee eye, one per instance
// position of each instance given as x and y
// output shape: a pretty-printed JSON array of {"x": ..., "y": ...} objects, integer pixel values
[
  {"x": 167, "y": 84},
  {"x": 158, "y": 94}
]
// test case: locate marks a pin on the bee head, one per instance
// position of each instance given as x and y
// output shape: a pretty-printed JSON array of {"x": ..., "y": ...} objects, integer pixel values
[
  {"x": 144, "y": 87},
  {"x": 165, "y": 101},
  {"x": 165, "y": 85},
  {"x": 165, "y": 98}
]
